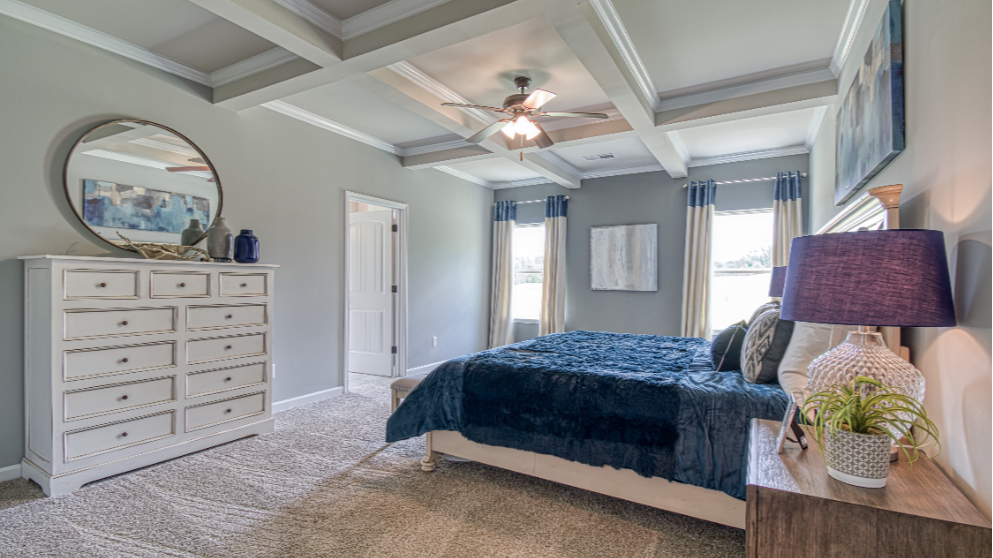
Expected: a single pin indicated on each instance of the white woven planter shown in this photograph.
(858, 459)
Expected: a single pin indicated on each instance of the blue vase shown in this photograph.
(246, 247)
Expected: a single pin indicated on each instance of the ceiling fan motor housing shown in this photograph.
(515, 101)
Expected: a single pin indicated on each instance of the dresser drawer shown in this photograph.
(218, 317)
(81, 283)
(169, 284)
(221, 348)
(118, 397)
(83, 324)
(209, 414)
(119, 435)
(244, 284)
(224, 379)
(118, 360)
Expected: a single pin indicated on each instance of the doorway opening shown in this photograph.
(374, 332)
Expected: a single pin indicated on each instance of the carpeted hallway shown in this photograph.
(325, 484)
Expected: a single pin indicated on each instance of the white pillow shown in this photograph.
(809, 341)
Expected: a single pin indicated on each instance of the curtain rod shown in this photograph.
(529, 201)
(802, 175)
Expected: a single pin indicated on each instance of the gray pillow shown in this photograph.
(764, 347)
(774, 305)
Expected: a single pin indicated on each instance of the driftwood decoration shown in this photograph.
(160, 251)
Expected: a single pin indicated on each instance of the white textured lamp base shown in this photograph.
(865, 354)
(856, 481)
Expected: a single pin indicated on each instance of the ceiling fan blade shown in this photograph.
(538, 98)
(542, 140)
(188, 169)
(480, 107)
(575, 114)
(488, 131)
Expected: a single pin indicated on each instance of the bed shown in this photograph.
(681, 426)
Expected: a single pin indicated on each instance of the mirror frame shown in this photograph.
(206, 160)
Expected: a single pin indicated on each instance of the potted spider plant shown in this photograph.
(856, 423)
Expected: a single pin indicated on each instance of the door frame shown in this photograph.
(400, 265)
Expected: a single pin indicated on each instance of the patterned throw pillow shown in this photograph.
(774, 305)
(764, 347)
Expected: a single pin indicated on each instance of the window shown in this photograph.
(529, 262)
(742, 263)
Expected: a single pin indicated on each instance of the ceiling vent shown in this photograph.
(598, 157)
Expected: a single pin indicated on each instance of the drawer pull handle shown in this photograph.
(227, 411)
(124, 398)
(102, 285)
(227, 347)
(125, 359)
(228, 379)
(124, 434)
(181, 285)
(243, 285)
(228, 317)
(125, 322)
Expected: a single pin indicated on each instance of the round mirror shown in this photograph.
(143, 181)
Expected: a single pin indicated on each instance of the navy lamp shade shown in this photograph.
(895, 278)
(777, 282)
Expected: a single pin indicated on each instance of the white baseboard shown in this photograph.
(425, 368)
(10, 472)
(304, 399)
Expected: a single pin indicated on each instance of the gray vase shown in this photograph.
(219, 241)
(192, 233)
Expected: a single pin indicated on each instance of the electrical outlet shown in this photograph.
(434, 341)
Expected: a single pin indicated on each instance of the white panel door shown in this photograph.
(370, 295)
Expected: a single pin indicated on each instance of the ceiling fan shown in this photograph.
(197, 168)
(522, 107)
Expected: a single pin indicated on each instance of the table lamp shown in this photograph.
(777, 282)
(893, 278)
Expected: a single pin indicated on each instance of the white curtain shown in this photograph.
(501, 320)
(553, 283)
(787, 216)
(696, 265)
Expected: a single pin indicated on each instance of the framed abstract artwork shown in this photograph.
(119, 206)
(624, 258)
(870, 124)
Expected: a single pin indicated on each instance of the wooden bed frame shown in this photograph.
(877, 208)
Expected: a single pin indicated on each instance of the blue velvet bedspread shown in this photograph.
(643, 402)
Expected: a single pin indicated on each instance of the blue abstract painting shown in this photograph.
(107, 204)
(870, 125)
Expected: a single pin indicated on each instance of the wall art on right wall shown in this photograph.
(870, 127)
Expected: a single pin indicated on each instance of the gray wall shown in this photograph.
(282, 178)
(945, 171)
(638, 199)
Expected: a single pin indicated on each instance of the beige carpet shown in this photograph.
(325, 484)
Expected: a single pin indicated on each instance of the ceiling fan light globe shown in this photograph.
(532, 131)
(522, 125)
(508, 130)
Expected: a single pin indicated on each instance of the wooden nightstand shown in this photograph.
(795, 509)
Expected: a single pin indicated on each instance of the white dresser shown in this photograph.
(130, 362)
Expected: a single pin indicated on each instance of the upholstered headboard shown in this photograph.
(877, 209)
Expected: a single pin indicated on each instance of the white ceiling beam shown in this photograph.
(278, 24)
(597, 36)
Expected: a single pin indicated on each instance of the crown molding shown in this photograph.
(815, 126)
(329, 125)
(622, 40)
(744, 89)
(314, 15)
(465, 176)
(749, 156)
(850, 30)
(413, 74)
(381, 16)
(73, 30)
(432, 147)
(625, 170)
(250, 66)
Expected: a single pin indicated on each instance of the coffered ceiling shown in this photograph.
(684, 84)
